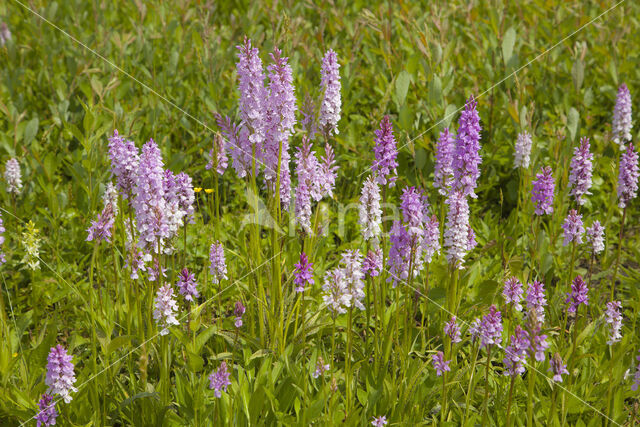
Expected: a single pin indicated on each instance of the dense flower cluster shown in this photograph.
(399, 253)
(100, 229)
(581, 171)
(443, 170)
(218, 155)
(513, 293)
(456, 234)
(385, 164)
(452, 329)
(466, 158)
(331, 102)
(439, 364)
(523, 151)
(219, 380)
(249, 143)
(543, 189)
(579, 294)
(281, 108)
(180, 196)
(218, 265)
(490, 328)
(124, 163)
(187, 285)
(595, 236)
(372, 263)
(414, 209)
(303, 274)
(516, 352)
(537, 341)
(536, 300)
(47, 414)
(236, 143)
(430, 243)
(149, 203)
(336, 291)
(622, 122)
(613, 318)
(165, 308)
(328, 172)
(13, 176)
(60, 373)
(370, 213)
(352, 261)
(316, 180)
(628, 177)
(573, 228)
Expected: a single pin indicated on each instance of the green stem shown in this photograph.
(94, 351)
(443, 411)
(470, 387)
(610, 390)
(348, 376)
(486, 386)
(423, 318)
(256, 252)
(407, 318)
(532, 382)
(573, 257)
(615, 271)
(552, 412)
(513, 378)
(277, 275)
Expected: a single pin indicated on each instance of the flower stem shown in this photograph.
(615, 270)
(552, 412)
(470, 386)
(532, 382)
(443, 410)
(513, 378)
(347, 359)
(486, 386)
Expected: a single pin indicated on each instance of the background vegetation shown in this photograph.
(161, 69)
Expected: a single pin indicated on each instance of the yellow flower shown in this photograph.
(15, 354)
(208, 190)
(197, 189)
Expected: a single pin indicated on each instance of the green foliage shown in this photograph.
(161, 69)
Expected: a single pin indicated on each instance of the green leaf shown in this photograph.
(577, 73)
(402, 86)
(449, 115)
(31, 130)
(508, 41)
(118, 342)
(573, 120)
(435, 90)
(196, 363)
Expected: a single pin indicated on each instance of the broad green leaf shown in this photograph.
(573, 120)
(508, 41)
(577, 74)
(30, 130)
(402, 86)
